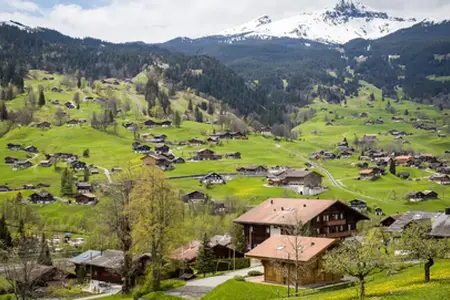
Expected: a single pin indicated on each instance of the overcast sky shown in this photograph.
(162, 20)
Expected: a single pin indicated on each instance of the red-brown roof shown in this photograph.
(366, 172)
(187, 252)
(283, 247)
(284, 211)
(404, 158)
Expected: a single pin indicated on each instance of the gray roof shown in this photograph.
(404, 220)
(111, 259)
(440, 227)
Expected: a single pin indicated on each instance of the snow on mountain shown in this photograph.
(16, 24)
(346, 21)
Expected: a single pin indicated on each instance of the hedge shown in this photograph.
(228, 264)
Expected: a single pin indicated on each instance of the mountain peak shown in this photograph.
(248, 27)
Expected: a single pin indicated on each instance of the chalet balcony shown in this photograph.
(336, 222)
(337, 235)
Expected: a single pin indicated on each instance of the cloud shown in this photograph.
(23, 5)
(158, 21)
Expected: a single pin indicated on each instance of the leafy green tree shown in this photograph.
(66, 183)
(86, 152)
(41, 101)
(177, 119)
(406, 112)
(210, 108)
(5, 235)
(392, 169)
(205, 257)
(3, 111)
(44, 255)
(357, 258)
(198, 115)
(416, 242)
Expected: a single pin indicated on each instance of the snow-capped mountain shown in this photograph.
(346, 21)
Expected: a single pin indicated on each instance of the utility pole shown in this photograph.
(288, 275)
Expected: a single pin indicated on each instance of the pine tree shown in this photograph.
(41, 101)
(79, 82)
(44, 258)
(177, 119)
(3, 111)
(5, 236)
(64, 176)
(406, 112)
(190, 107)
(372, 97)
(110, 117)
(392, 169)
(210, 108)
(205, 257)
(86, 175)
(66, 183)
(198, 115)
(19, 197)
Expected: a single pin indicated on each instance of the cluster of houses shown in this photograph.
(378, 121)
(20, 164)
(84, 195)
(208, 154)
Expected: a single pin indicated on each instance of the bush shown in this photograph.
(239, 278)
(227, 264)
(255, 273)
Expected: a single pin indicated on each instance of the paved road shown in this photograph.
(195, 289)
(335, 182)
(107, 174)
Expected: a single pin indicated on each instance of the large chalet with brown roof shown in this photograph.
(279, 253)
(155, 160)
(307, 182)
(206, 154)
(276, 216)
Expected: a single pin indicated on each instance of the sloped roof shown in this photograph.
(285, 211)
(407, 218)
(440, 227)
(283, 247)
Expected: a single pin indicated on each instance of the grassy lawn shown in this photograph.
(241, 290)
(408, 284)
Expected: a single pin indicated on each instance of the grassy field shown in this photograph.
(240, 290)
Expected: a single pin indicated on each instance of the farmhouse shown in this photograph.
(196, 141)
(233, 155)
(367, 174)
(383, 161)
(253, 169)
(162, 149)
(104, 266)
(213, 139)
(420, 196)
(389, 220)
(403, 160)
(86, 198)
(69, 105)
(178, 160)
(359, 205)
(213, 178)
(276, 216)
(14, 147)
(83, 187)
(9, 160)
(41, 198)
(195, 196)
(169, 156)
(73, 122)
(151, 123)
(78, 166)
(266, 130)
(397, 119)
(370, 137)
(142, 149)
(220, 245)
(440, 179)
(31, 149)
(440, 226)
(23, 164)
(4, 188)
(29, 186)
(206, 154)
(403, 175)
(410, 217)
(155, 160)
(278, 254)
(304, 181)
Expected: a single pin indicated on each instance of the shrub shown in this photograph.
(239, 278)
(254, 273)
(227, 264)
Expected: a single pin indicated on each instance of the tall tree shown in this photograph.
(5, 235)
(3, 111)
(41, 101)
(190, 106)
(155, 210)
(357, 258)
(177, 119)
(198, 115)
(210, 108)
(86, 175)
(79, 82)
(66, 183)
(416, 242)
(59, 116)
(392, 169)
(205, 257)
(44, 255)
(76, 99)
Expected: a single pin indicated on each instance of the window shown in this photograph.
(318, 230)
(268, 229)
(326, 218)
(318, 219)
(341, 228)
(327, 229)
(342, 216)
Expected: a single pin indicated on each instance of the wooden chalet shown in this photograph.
(44, 125)
(178, 160)
(78, 166)
(31, 149)
(389, 220)
(213, 139)
(162, 149)
(23, 164)
(260, 169)
(403, 160)
(195, 196)
(83, 187)
(42, 198)
(156, 160)
(440, 226)
(14, 147)
(221, 247)
(379, 211)
(213, 178)
(196, 141)
(105, 265)
(421, 196)
(278, 254)
(29, 186)
(296, 177)
(206, 154)
(276, 216)
(9, 160)
(86, 198)
(4, 188)
(45, 163)
(266, 130)
(233, 155)
(359, 205)
(69, 105)
(403, 175)
(152, 123)
(406, 219)
(440, 179)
